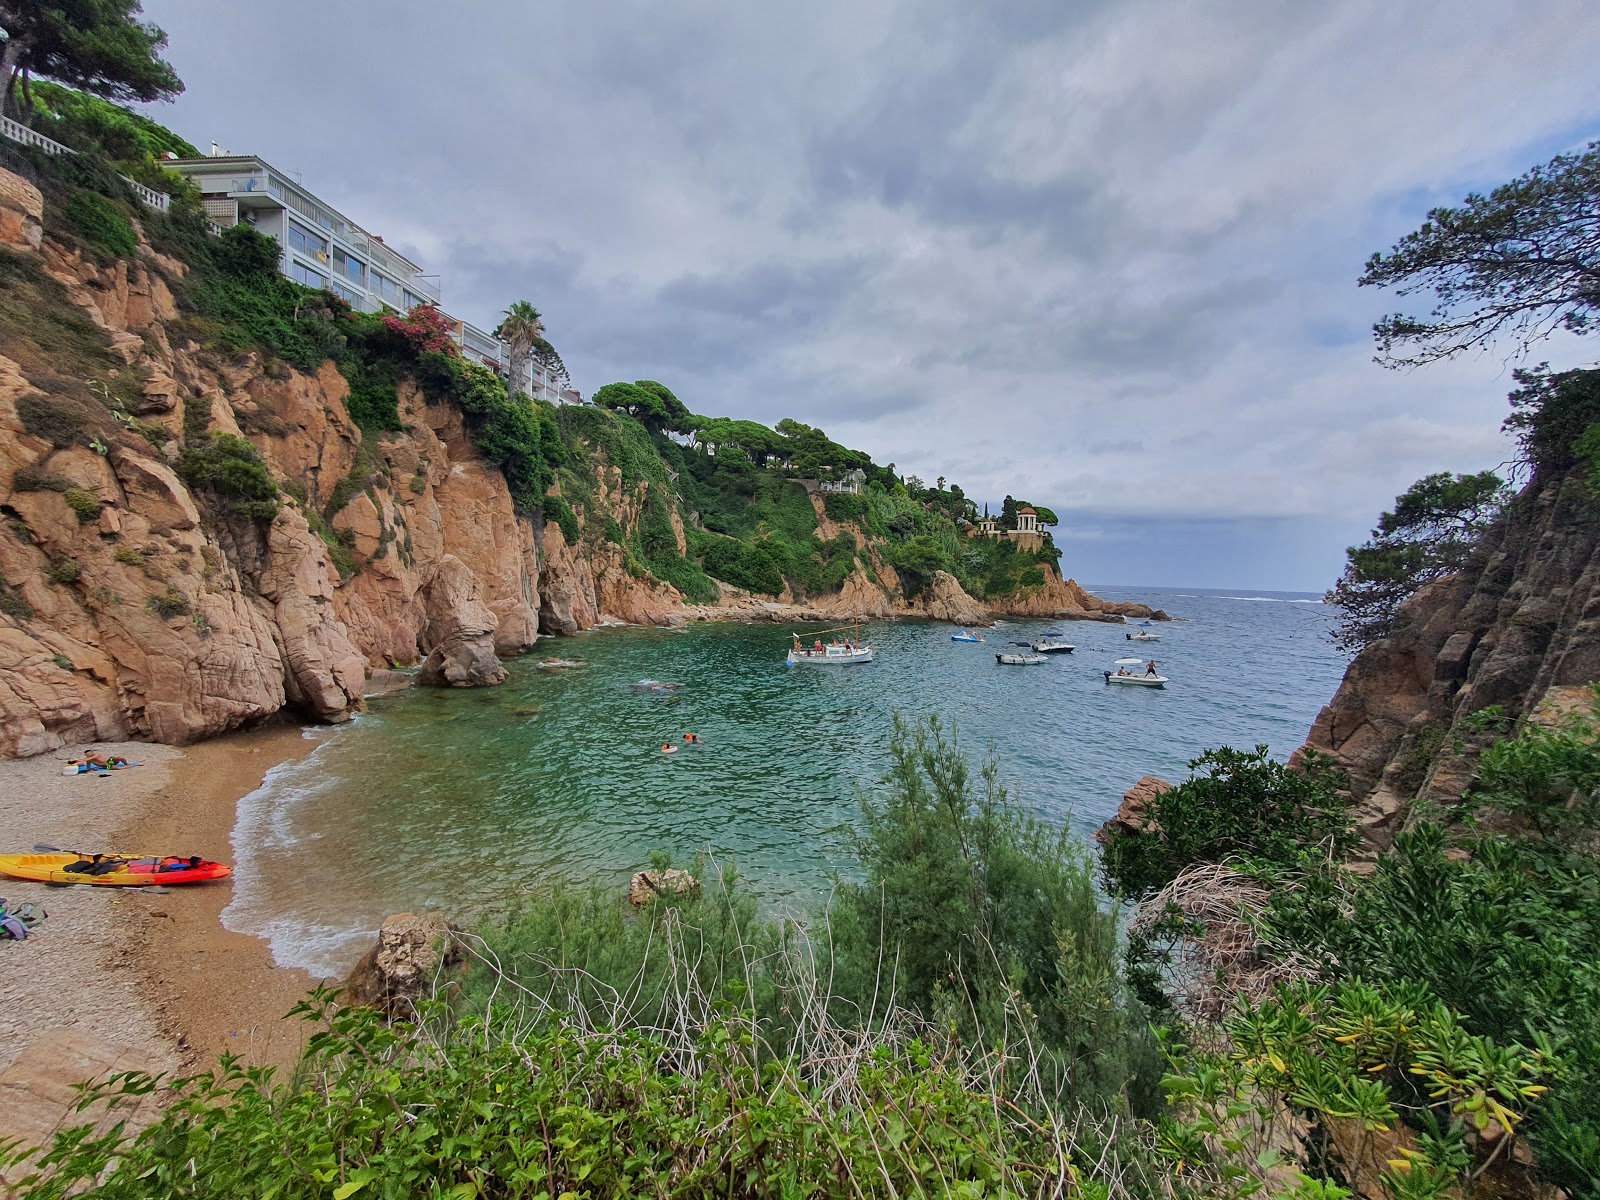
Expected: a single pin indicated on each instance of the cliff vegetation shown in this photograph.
(226, 494)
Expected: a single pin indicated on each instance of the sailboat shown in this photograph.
(836, 652)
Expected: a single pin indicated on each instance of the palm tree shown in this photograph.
(520, 330)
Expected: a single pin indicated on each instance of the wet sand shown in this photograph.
(134, 979)
(213, 991)
(151, 972)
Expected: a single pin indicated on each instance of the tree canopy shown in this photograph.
(649, 402)
(1507, 268)
(1431, 533)
(96, 46)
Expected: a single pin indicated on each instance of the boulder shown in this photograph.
(459, 633)
(409, 964)
(647, 885)
(1132, 813)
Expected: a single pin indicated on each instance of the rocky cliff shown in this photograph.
(133, 604)
(1519, 630)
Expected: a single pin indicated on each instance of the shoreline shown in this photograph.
(214, 991)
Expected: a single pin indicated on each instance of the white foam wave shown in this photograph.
(265, 822)
(1270, 599)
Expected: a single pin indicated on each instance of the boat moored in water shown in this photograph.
(1019, 660)
(1051, 643)
(1146, 678)
(1144, 634)
(838, 652)
(966, 636)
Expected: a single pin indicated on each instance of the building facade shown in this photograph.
(322, 248)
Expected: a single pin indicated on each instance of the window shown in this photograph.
(351, 268)
(383, 286)
(413, 300)
(304, 274)
(349, 295)
(307, 243)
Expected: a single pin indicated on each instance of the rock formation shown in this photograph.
(1519, 628)
(410, 963)
(134, 606)
(1131, 815)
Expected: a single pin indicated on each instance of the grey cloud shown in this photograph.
(1013, 244)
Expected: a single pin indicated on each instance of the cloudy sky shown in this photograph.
(1100, 256)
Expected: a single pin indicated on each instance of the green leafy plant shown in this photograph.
(102, 225)
(170, 605)
(64, 571)
(232, 471)
(1235, 804)
(85, 505)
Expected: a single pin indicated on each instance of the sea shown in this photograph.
(464, 800)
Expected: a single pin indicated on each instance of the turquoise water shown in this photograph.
(458, 800)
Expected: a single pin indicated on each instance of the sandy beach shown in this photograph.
(136, 978)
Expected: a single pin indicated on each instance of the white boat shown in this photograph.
(1019, 660)
(1143, 634)
(1145, 678)
(1051, 643)
(966, 636)
(835, 653)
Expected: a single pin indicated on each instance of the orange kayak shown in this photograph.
(125, 870)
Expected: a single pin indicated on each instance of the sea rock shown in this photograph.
(944, 599)
(1065, 600)
(1132, 814)
(410, 963)
(647, 885)
(459, 632)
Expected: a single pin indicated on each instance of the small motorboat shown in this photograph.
(966, 636)
(111, 870)
(1144, 634)
(1145, 678)
(1052, 643)
(1019, 660)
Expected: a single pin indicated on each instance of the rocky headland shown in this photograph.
(134, 607)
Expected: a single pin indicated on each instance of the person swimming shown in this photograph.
(668, 748)
(689, 737)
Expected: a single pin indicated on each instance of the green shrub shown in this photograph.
(65, 571)
(558, 510)
(62, 661)
(989, 921)
(102, 226)
(85, 505)
(170, 604)
(487, 1109)
(1235, 804)
(128, 556)
(61, 420)
(231, 470)
(12, 604)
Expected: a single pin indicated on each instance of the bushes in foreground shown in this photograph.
(495, 1109)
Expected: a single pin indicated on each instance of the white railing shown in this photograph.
(21, 134)
(151, 197)
(18, 132)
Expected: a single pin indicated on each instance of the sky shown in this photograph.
(1099, 256)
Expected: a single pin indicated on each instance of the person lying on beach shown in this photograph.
(102, 763)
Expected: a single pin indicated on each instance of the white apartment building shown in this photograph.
(322, 248)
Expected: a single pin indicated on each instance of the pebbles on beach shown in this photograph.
(76, 972)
